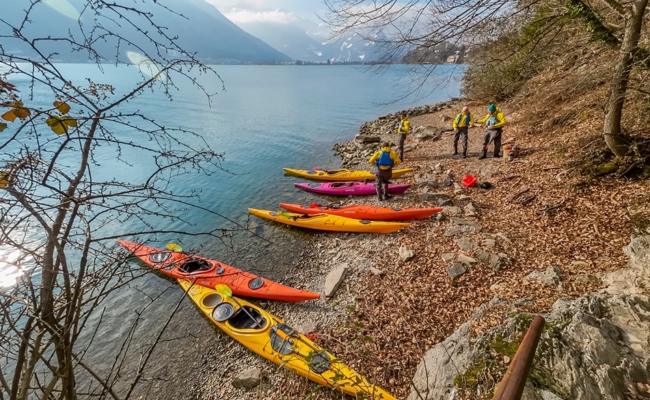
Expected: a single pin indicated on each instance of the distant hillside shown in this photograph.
(304, 40)
(204, 30)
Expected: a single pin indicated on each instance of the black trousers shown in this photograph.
(402, 138)
(461, 132)
(382, 176)
(495, 135)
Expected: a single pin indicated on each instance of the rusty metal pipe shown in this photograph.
(513, 382)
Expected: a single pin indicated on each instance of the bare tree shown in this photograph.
(472, 24)
(60, 205)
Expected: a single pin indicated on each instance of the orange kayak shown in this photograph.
(364, 212)
(209, 273)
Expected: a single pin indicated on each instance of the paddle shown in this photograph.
(223, 290)
(174, 247)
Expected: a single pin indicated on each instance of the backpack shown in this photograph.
(385, 160)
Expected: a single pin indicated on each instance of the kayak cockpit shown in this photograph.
(194, 265)
(244, 317)
(247, 318)
(342, 184)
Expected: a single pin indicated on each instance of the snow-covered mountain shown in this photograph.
(301, 38)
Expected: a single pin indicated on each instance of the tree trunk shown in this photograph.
(612, 127)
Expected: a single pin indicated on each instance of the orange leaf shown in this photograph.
(9, 116)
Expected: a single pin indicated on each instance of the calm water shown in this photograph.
(268, 118)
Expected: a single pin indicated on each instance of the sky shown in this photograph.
(272, 10)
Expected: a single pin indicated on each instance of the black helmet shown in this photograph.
(485, 185)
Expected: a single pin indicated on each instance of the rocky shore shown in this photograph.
(400, 295)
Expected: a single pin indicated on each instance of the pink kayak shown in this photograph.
(348, 188)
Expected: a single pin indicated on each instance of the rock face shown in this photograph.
(596, 347)
(334, 279)
(248, 379)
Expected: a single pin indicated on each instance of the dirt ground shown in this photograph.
(541, 212)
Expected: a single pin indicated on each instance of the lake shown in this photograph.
(268, 117)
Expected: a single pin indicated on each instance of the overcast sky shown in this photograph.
(268, 9)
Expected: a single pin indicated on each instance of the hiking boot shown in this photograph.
(388, 196)
(455, 153)
(464, 155)
(483, 155)
(497, 155)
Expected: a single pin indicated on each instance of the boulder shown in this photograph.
(550, 277)
(447, 256)
(334, 279)
(493, 260)
(452, 231)
(466, 244)
(457, 270)
(451, 210)
(435, 374)
(467, 224)
(406, 254)
(248, 379)
(466, 260)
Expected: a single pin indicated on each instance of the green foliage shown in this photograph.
(503, 347)
(576, 9)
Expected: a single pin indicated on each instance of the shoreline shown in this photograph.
(482, 245)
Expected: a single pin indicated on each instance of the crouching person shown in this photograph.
(383, 162)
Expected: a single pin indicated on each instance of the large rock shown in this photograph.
(435, 374)
(453, 231)
(550, 277)
(457, 270)
(595, 347)
(466, 244)
(248, 379)
(406, 254)
(473, 226)
(334, 279)
(469, 261)
(493, 260)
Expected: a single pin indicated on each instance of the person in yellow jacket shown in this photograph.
(402, 130)
(461, 124)
(494, 122)
(383, 162)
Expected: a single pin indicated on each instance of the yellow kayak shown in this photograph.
(340, 174)
(268, 336)
(327, 222)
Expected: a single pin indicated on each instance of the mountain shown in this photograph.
(292, 39)
(201, 29)
(289, 39)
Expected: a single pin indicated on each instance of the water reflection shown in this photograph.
(13, 265)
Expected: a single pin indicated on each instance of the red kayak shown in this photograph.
(364, 212)
(209, 273)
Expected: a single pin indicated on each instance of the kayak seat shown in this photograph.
(195, 265)
(341, 184)
(247, 318)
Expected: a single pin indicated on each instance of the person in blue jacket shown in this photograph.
(383, 162)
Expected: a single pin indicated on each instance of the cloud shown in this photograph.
(241, 16)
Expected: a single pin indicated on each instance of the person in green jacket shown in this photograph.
(402, 130)
(494, 122)
(461, 124)
(383, 162)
